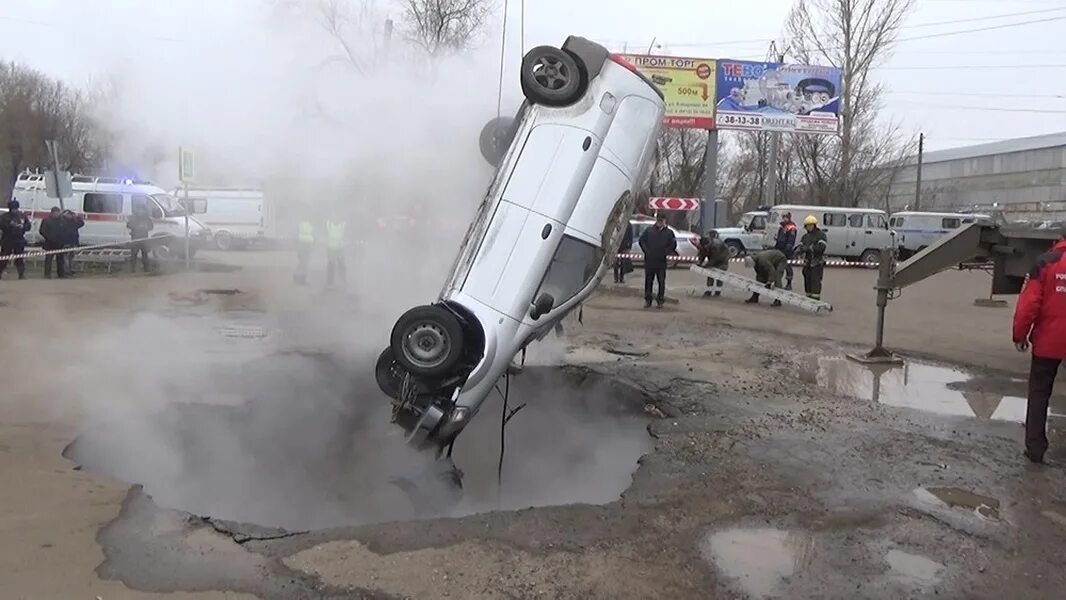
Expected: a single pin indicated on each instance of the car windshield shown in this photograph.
(745, 220)
(170, 205)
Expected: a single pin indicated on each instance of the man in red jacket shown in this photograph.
(1040, 320)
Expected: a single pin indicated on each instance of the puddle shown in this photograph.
(310, 446)
(983, 506)
(758, 560)
(913, 568)
(930, 388)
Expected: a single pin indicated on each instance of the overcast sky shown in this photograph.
(937, 84)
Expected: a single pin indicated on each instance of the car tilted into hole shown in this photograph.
(568, 169)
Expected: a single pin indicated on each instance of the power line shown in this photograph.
(969, 67)
(979, 29)
(977, 94)
(990, 108)
(986, 18)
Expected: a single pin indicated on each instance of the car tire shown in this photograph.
(552, 77)
(224, 240)
(427, 341)
(870, 256)
(495, 138)
(736, 249)
(388, 373)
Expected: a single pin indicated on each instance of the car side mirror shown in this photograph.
(544, 303)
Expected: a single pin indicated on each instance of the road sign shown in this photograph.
(186, 165)
(660, 203)
(58, 187)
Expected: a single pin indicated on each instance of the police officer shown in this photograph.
(336, 243)
(657, 242)
(53, 230)
(13, 227)
(769, 266)
(305, 241)
(786, 242)
(813, 246)
(140, 225)
(715, 253)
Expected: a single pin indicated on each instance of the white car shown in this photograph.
(569, 167)
(688, 243)
(747, 236)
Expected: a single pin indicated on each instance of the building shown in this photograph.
(1025, 178)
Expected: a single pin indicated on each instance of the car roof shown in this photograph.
(840, 209)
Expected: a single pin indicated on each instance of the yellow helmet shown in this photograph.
(810, 220)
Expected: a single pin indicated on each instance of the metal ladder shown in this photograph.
(748, 284)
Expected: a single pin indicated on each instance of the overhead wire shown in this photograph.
(503, 50)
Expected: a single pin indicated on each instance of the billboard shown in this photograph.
(687, 85)
(762, 96)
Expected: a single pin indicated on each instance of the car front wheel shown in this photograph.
(427, 341)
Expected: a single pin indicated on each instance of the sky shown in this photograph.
(957, 89)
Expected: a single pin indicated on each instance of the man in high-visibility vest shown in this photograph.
(336, 241)
(305, 240)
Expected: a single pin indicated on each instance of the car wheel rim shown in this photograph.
(551, 73)
(426, 345)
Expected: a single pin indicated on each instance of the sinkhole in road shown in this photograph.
(303, 443)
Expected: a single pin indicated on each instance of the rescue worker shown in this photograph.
(140, 225)
(624, 265)
(13, 227)
(72, 223)
(657, 242)
(305, 241)
(769, 266)
(336, 242)
(715, 253)
(786, 242)
(1040, 322)
(813, 246)
(53, 230)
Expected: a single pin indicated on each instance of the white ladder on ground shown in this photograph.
(753, 286)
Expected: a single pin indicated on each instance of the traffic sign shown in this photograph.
(661, 203)
(186, 165)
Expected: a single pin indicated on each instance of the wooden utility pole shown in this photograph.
(918, 179)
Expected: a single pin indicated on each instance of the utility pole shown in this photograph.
(918, 179)
(709, 206)
(770, 189)
(388, 37)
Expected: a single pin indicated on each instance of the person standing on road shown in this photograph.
(13, 227)
(140, 225)
(53, 231)
(786, 242)
(624, 265)
(769, 266)
(657, 242)
(1040, 322)
(813, 246)
(715, 253)
(336, 244)
(305, 241)
(72, 224)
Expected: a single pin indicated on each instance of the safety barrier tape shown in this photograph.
(795, 262)
(76, 249)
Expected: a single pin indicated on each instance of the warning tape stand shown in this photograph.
(753, 286)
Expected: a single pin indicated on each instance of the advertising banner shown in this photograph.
(687, 85)
(761, 96)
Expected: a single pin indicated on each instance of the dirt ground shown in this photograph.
(772, 467)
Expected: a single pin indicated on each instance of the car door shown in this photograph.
(835, 226)
(856, 235)
(553, 170)
(878, 235)
(573, 266)
(105, 218)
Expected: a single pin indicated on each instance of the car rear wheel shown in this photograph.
(496, 137)
(551, 77)
(870, 256)
(224, 240)
(428, 341)
(389, 374)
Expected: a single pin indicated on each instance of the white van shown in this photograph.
(915, 231)
(106, 203)
(851, 232)
(235, 216)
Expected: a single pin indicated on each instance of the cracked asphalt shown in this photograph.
(768, 472)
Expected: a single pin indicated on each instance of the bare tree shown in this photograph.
(35, 108)
(856, 36)
(443, 26)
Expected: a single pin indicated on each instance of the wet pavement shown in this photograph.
(931, 388)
